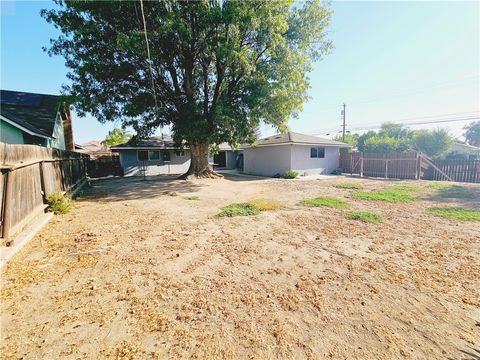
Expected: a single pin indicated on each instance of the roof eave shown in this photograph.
(20, 127)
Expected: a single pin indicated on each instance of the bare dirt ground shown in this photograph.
(133, 271)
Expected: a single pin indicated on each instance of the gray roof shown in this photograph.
(465, 148)
(291, 137)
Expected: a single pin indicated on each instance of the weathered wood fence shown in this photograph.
(30, 173)
(461, 170)
(410, 165)
(385, 165)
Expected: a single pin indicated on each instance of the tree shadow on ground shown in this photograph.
(240, 178)
(135, 188)
(465, 196)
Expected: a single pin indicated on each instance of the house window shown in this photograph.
(151, 155)
(166, 155)
(180, 153)
(317, 152)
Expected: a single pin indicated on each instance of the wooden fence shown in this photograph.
(461, 170)
(30, 173)
(411, 165)
(385, 165)
(105, 165)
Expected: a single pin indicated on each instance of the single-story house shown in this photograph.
(305, 154)
(226, 158)
(39, 119)
(468, 151)
(156, 155)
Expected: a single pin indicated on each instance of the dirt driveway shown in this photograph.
(135, 271)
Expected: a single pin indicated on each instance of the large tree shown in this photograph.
(217, 68)
(472, 133)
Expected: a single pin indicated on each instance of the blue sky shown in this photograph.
(392, 61)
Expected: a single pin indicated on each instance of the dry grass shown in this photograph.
(173, 281)
(265, 204)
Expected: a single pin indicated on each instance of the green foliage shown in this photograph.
(290, 174)
(433, 143)
(326, 201)
(472, 133)
(115, 137)
(220, 67)
(349, 186)
(456, 213)
(444, 186)
(349, 139)
(59, 203)
(385, 144)
(395, 131)
(387, 194)
(241, 209)
(406, 187)
(364, 216)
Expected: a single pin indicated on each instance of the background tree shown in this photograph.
(433, 143)
(115, 137)
(218, 67)
(396, 131)
(385, 144)
(472, 133)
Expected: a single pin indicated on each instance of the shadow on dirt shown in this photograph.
(135, 188)
(465, 196)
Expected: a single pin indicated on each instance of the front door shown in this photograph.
(220, 159)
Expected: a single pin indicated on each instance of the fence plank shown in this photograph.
(32, 173)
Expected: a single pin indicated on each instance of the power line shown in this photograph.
(426, 122)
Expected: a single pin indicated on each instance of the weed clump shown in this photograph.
(326, 201)
(265, 204)
(59, 203)
(240, 209)
(387, 194)
(290, 174)
(364, 216)
(352, 186)
(456, 213)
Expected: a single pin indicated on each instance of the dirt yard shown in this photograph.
(144, 269)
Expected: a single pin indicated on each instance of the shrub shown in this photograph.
(364, 216)
(59, 203)
(349, 186)
(388, 195)
(265, 204)
(241, 209)
(456, 213)
(290, 174)
(326, 201)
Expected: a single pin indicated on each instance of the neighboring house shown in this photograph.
(465, 150)
(154, 156)
(39, 119)
(305, 154)
(95, 149)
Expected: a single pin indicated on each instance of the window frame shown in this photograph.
(319, 150)
(149, 152)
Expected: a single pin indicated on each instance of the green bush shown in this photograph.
(290, 174)
(241, 209)
(349, 186)
(364, 216)
(456, 213)
(387, 194)
(59, 203)
(326, 201)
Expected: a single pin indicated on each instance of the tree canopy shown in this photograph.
(116, 136)
(472, 133)
(217, 68)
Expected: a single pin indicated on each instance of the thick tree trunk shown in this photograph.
(199, 162)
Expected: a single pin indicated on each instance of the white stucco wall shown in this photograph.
(266, 161)
(271, 160)
(131, 165)
(305, 165)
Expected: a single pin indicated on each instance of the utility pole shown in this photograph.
(343, 126)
